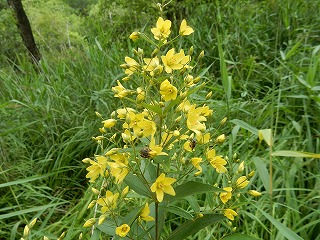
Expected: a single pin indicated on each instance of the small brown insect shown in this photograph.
(192, 143)
(145, 152)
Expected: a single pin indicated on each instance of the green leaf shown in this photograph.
(263, 172)
(107, 227)
(192, 188)
(238, 236)
(245, 125)
(137, 185)
(288, 153)
(132, 216)
(178, 211)
(193, 226)
(284, 230)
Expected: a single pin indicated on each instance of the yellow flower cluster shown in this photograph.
(159, 127)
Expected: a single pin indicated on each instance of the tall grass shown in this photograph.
(265, 75)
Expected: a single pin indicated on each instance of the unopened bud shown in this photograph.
(95, 191)
(176, 133)
(86, 160)
(102, 130)
(190, 50)
(254, 193)
(161, 104)
(26, 231)
(196, 80)
(32, 223)
(62, 235)
(125, 191)
(223, 121)
(208, 96)
(126, 78)
(102, 218)
(91, 204)
(154, 53)
(201, 55)
(45, 238)
(80, 236)
(89, 223)
(134, 36)
(229, 223)
(98, 114)
(178, 119)
(221, 138)
(241, 167)
(250, 175)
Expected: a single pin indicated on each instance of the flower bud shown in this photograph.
(95, 191)
(190, 50)
(62, 235)
(80, 236)
(208, 96)
(45, 238)
(89, 223)
(254, 193)
(196, 80)
(241, 167)
(134, 36)
(26, 231)
(201, 55)
(154, 53)
(102, 218)
(86, 160)
(223, 121)
(98, 114)
(178, 119)
(126, 78)
(176, 133)
(32, 223)
(221, 138)
(102, 130)
(250, 175)
(91, 204)
(125, 191)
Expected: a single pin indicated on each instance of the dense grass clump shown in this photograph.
(264, 59)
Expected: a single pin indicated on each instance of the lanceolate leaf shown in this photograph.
(137, 185)
(288, 153)
(193, 226)
(192, 188)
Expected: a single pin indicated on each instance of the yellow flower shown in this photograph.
(156, 150)
(120, 91)
(226, 196)
(153, 66)
(254, 193)
(172, 61)
(185, 29)
(122, 112)
(131, 65)
(184, 106)
(162, 29)
(97, 168)
(216, 161)
(196, 163)
(230, 214)
(148, 127)
(127, 136)
(108, 202)
(123, 230)
(118, 170)
(194, 119)
(134, 36)
(144, 214)
(242, 182)
(163, 185)
(203, 139)
(109, 123)
(168, 91)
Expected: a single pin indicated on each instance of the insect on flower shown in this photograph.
(145, 152)
(192, 143)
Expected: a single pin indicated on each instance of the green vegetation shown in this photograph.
(264, 74)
